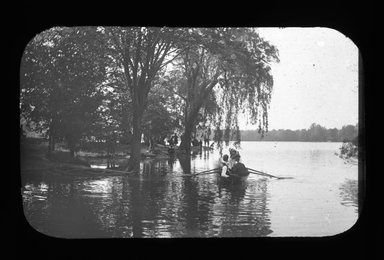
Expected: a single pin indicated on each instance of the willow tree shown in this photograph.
(141, 53)
(232, 64)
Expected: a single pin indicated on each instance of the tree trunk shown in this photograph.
(134, 161)
(189, 125)
(108, 154)
(192, 113)
(72, 151)
(51, 140)
(185, 162)
(71, 145)
(185, 144)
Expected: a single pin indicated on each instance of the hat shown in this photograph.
(236, 157)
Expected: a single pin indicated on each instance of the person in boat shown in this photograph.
(170, 141)
(239, 169)
(233, 153)
(175, 139)
(225, 172)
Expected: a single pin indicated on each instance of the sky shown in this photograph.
(316, 80)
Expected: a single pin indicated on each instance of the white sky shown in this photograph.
(316, 80)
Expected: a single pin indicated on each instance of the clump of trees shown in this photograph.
(349, 150)
(112, 84)
(61, 77)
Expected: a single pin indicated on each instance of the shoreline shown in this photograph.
(34, 158)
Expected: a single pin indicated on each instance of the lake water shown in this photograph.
(320, 200)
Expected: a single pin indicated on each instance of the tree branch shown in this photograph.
(165, 52)
(125, 57)
(175, 92)
(209, 85)
(137, 57)
(170, 61)
(160, 48)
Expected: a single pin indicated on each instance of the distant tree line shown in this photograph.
(315, 133)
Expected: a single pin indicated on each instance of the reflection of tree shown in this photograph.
(149, 205)
(185, 162)
(196, 213)
(137, 208)
(147, 166)
(171, 161)
(349, 193)
(153, 168)
(191, 201)
(205, 208)
(67, 213)
(206, 154)
(190, 198)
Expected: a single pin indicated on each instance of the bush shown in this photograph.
(348, 150)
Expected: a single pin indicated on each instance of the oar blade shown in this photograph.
(266, 174)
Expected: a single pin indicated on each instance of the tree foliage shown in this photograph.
(110, 83)
(62, 73)
(315, 133)
(222, 73)
(141, 53)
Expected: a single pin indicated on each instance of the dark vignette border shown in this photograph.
(354, 21)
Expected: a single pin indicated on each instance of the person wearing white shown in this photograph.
(224, 169)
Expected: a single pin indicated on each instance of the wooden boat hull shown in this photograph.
(231, 179)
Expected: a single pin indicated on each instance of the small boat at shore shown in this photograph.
(173, 149)
(201, 148)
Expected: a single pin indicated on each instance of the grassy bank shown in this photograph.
(34, 159)
(34, 156)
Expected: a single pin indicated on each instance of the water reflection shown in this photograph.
(163, 202)
(248, 203)
(148, 206)
(185, 162)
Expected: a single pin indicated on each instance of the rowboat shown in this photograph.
(231, 179)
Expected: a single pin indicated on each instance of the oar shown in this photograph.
(266, 174)
(203, 172)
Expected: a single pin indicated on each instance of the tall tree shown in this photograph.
(142, 53)
(39, 96)
(232, 65)
(61, 75)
